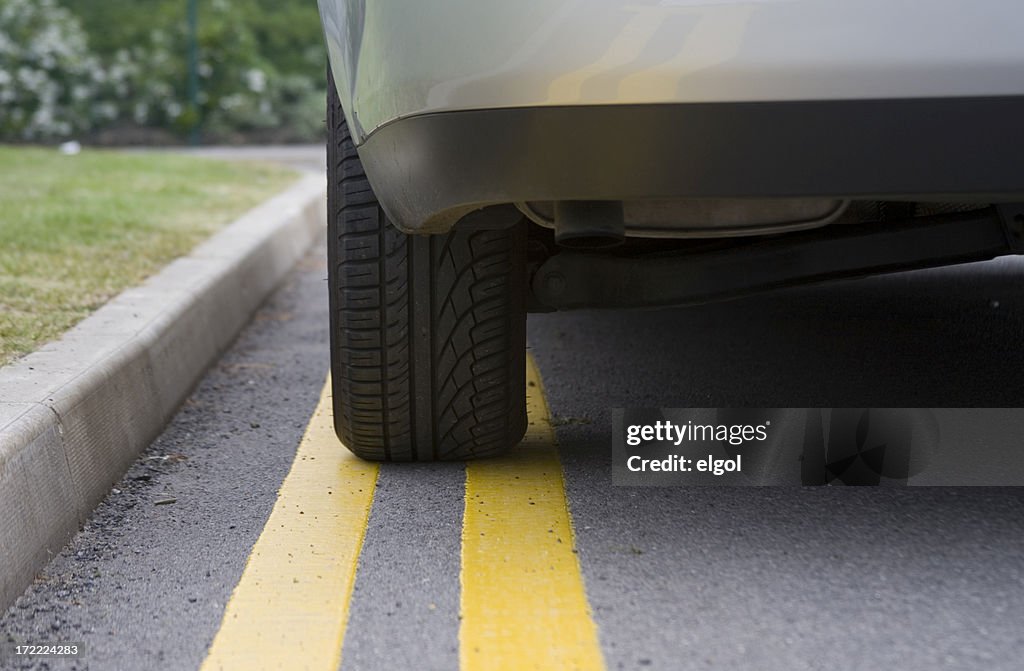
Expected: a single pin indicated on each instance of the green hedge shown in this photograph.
(71, 68)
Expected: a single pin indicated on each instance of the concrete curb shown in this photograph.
(75, 414)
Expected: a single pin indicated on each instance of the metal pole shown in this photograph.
(193, 70)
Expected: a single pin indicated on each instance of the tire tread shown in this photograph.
(428, 332)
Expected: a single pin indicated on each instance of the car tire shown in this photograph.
(428, 332)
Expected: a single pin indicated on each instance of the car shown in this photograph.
(486, 160)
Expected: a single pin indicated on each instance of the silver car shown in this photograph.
(487, 159)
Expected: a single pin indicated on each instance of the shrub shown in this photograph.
(261, 68)
(49, 80)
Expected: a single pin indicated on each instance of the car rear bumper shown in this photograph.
(392, 60)
(430, 170)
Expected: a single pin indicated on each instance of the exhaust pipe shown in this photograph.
(589, 224)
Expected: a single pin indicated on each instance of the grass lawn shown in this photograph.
(77, 230)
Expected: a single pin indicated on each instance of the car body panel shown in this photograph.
(429, 171)
(396, 59)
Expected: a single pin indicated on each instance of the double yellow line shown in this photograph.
(290, 607)
(523, 603)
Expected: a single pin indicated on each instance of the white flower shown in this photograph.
(140, 113)
(233, 101)
(256, 80)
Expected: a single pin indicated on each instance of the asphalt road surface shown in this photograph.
(674, 578)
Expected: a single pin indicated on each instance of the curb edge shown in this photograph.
(75, 414)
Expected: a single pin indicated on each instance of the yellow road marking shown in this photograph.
(523, 601)
(290, 607)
